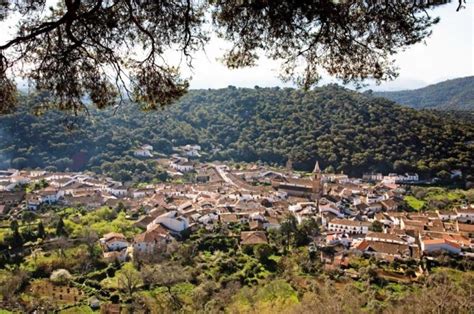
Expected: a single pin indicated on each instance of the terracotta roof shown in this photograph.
(256, 224)
(296, 182)
(387, 248)
(153, 235)
(362, 245)
(440, 241)
(465, 228)
(465, 210)
(226, 218)
(352, 223)
(253, 237)
(389, 203)
(383, 236)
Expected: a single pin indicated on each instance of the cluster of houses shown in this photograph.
(392, 178)
(347, 209)
(403, 235)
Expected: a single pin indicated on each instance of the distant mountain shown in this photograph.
(457, 94)
(342, 129)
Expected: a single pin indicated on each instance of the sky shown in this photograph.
(447, 54)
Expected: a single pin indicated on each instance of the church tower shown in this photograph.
(317, 183)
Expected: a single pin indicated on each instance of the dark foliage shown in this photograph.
(340, 128)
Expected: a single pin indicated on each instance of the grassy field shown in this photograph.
(414, 203)
(425, 197)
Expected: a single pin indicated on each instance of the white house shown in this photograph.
(336, 238)
(142, 153)
(391, 178)
(182, 166)
(191, 150)
(433, 245)
(394, 178)
(372, 176)
(117, 190)
(113, 242)
(151, 240)
(50, 195)
(139, 193)
(33, 203)
(348, 226)
(465, 214)
(411, 177)
(384, 237)
(373, 198)
(37, 173)
(330, 208)
(336, 177)
(447, 215)
(208, 218)
(171, 221)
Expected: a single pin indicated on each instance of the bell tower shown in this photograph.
(317, 183)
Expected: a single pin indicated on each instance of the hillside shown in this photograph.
(342, 129)
(457, 94)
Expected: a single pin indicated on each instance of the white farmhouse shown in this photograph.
(142, 153)
(434, 245)
(348, 226)
(171, 221)
(151, 240)
(117, 190)
(465, 214)
(182, 165)
(113, 242)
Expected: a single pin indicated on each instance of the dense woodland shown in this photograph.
(344, 130)
(457, 94)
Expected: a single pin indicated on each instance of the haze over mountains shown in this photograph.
(344, 130)
(456, 94)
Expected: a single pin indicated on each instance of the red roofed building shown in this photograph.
(433, 245)
(253, 237)
(151, 240)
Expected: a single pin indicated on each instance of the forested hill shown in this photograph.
(457, 94)
(342, 129)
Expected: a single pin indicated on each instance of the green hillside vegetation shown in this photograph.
(457, 94)
(344, 130)
(210, 272)
(434, 198)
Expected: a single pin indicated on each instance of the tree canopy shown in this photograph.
(103, 51)
(344, 130)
